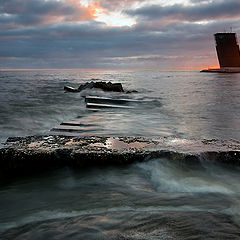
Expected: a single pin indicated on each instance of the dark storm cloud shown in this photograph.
(37, 12)
(82, 46)
(61, 34)
(203, 11)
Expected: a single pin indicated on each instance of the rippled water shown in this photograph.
(151, 200)
(173, 192)
(183, 104)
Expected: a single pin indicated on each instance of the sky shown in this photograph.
(113, 34)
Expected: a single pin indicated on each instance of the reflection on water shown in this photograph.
(226, 92)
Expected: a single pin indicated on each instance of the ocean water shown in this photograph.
(157, 199)
(187, 104)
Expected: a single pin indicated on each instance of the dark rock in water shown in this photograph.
(132, 91)
(86, 86)
(70, 89)
(115, 87)
(105, 86)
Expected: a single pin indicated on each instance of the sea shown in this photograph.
(156, 199)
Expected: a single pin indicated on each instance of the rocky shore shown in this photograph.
(118, 209)
(36, 153)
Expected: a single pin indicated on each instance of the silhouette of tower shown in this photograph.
(227, 50)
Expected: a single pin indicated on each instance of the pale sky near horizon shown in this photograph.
(122, 34)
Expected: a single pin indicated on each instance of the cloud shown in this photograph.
(205, 10)
(90, 45)
(117, 4)
(15, 13)
(65, 34)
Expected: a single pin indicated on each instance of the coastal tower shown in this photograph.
(227, 50)
(228, 53)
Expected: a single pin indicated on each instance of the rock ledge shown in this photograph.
(23, 155)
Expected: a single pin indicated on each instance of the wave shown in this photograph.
(171, 176)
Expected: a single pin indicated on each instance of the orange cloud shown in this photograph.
(83, 12)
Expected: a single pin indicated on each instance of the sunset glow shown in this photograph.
(113, 34)
(111, 19)
(114, 19)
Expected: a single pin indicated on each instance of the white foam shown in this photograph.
(168, 177)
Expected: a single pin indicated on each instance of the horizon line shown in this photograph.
(107, 69)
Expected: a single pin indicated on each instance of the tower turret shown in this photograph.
(227, 50)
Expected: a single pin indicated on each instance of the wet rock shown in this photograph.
(86, 86)
(115, 87)
(14, 139)
(105, 86)
(36, 153)
(227, 157)
(70, 89)
(131, 91)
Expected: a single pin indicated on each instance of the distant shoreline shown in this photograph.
(95, 69)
